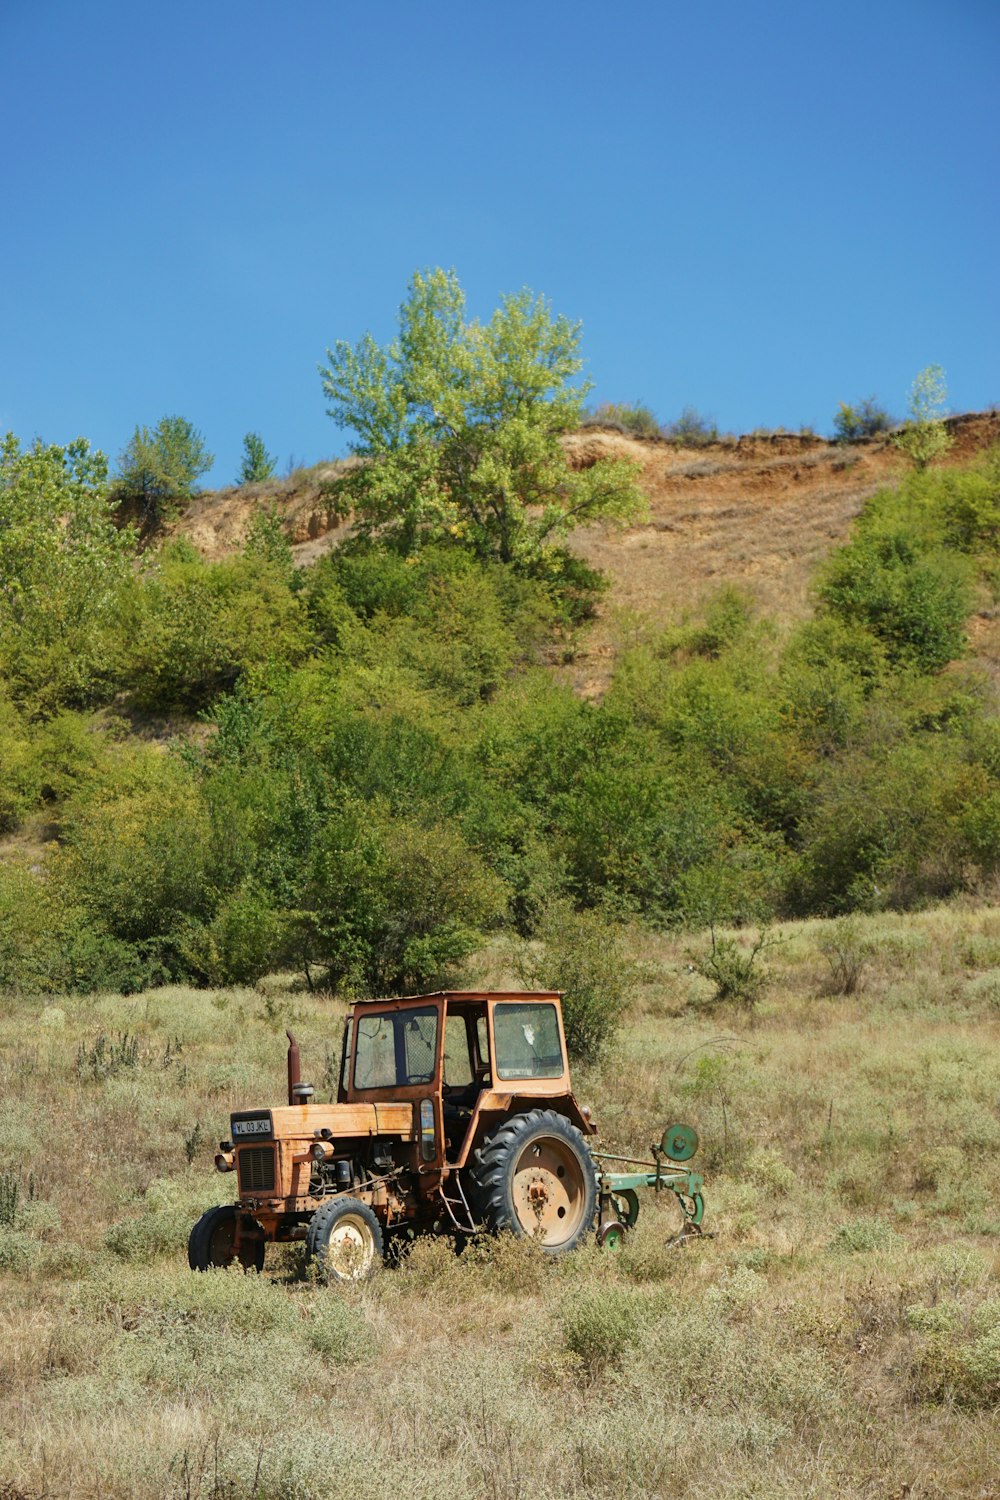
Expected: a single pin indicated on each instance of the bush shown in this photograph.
(602, 1325)
(338, 1332)
(65, 568)
(634, 417)
(240, 943)
(914, 600)
(391, 905)
(195, 627)
(865, 419)
(691, 429)
(735, 970)
(861, 1236)
(586, 956)
(847, 952)
(138, 857)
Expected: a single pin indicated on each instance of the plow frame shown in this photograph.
(618, 1192)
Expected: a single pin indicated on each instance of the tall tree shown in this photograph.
(63, 566)
(459, 422)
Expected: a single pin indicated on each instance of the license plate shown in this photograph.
(251, 1127)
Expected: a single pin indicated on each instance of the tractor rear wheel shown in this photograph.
(535, 1177)
(212, 1242)
(345, 1240)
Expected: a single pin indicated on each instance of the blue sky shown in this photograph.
(756, 209)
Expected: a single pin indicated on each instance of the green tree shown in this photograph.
(63, 565)
(925, 437)
(161, 465)
(459, 422)
(257, 464)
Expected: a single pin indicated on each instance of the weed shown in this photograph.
(12, 1191)
(193, 1142)
(848, 952)
(860, 1236)
(107, 1056)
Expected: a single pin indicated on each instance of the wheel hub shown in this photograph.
(549, 1190)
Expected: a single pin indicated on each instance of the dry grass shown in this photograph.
(840, 1335)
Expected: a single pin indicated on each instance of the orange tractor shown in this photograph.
(454, 1114)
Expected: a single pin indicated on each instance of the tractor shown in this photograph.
(454, 1115)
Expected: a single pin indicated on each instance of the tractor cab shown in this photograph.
(462, 1057)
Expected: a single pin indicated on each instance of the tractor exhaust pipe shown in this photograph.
(294, 1068)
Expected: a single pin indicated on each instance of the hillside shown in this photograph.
(222, 765)
(759, 511)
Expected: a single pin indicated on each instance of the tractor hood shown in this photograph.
(309, 1121)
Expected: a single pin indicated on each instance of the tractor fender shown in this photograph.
(491, 1108)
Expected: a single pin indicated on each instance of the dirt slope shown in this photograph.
(757, 511)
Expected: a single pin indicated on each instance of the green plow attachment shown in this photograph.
(618, 1192)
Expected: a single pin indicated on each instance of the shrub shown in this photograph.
(915, 600)
(601, 1325)
(391, 905)
(238, 944)
(735, 970)
(691, 429)
(634, 417)
(266, 541)
(847, 952)
(137, 858)
(162, 1227)
(338, 1332)
(65, 567)
(586, 956)
(19, 1252)
(195, 627)
(861, 1236)
(969, 503)
(865, 419)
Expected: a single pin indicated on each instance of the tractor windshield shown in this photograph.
(527, 1041)
(395, 1048)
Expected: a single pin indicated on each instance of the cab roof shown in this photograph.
(465, 995)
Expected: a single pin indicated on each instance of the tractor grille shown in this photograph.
(256, 1169)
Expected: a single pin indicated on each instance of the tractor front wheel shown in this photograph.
(212, 1242)
(535, 1177)
(345, 1240)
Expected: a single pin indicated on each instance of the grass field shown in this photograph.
(839, 1335)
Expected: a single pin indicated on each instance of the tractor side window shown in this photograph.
(527, 1041)
(457, 1064)
(395, 1049)
(483, 1039)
